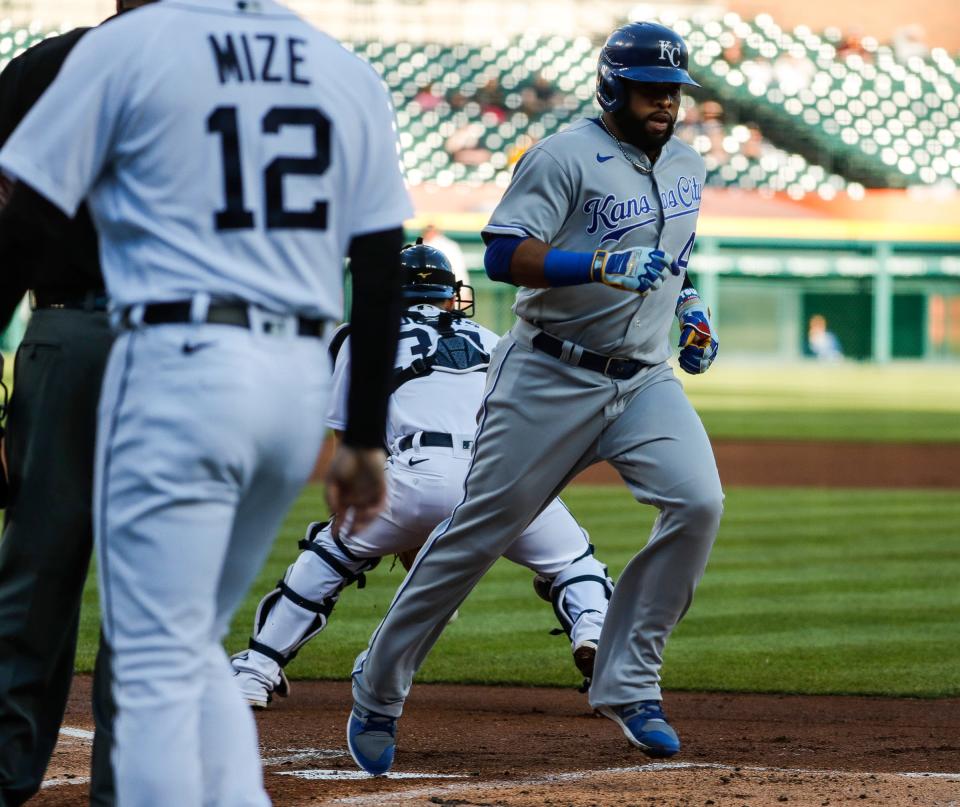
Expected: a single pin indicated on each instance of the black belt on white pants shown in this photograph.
(237, 314)
(431, 440)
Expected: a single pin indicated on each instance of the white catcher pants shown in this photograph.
(423, 494)
(206, 435)
(424, 486)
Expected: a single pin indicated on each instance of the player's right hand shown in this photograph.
(638, 270)
(355, 481)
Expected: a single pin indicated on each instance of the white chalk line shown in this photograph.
(653, 767)
(74, 780)
(339, 776)
(80, 734)
(302, 755)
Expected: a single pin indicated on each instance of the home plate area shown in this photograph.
(464, 746)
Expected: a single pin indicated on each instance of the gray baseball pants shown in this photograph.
(542, 422)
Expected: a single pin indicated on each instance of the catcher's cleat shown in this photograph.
(541, 585)
(584, 656)
(254, 686)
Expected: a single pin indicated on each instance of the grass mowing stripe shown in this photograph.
(808, 590)
(786, 423)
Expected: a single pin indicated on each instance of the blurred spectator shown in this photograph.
(755, 146)
(539, 97)
(758, 72)
(545, 92)
(519, 148)
(529, 103)
(689, 119)
(432, 237)
(491, 100)
(713, 128)
(733, 53)
(909, 41)
(823, 343)
(794, 70)
(464, 146)
(852, 45)
(426, 98)
(704, 129)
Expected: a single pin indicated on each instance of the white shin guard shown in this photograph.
(580, 594)
(299, 607)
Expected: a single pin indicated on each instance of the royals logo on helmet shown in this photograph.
(670, 51)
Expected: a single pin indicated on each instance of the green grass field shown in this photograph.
(848, 401)
(899, 402)
(813, 591)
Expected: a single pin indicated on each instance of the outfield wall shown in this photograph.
(884, 300)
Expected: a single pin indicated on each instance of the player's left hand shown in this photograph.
(639, 270)
(355, 482)
(698, 343)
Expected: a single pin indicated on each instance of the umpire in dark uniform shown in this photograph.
(49, 447)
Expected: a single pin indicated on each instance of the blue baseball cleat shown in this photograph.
(645, 725)
(372, 739)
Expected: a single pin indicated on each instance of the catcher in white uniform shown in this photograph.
(438, 385)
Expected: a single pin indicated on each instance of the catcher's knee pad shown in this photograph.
(312, 585)
(581, 589)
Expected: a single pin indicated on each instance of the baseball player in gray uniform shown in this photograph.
(231, 155)
(439, 378)
(596, 228)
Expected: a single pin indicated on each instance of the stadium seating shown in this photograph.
(15, 40)
(886, 123)
(799, 113)
(458, 71)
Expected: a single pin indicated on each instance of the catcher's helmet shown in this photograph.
(426, 274)
(640, 51)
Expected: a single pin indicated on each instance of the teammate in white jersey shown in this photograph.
(439, 378)
(231, 156)
(596, 228)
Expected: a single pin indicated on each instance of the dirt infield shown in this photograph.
(461, 746)
(803, 463)
(795, 463)
(514, 746)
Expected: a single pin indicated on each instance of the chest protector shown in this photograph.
(454, 353)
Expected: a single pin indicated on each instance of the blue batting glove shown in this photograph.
(698, 343)
(638, 270)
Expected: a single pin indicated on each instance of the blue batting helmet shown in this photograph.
(640, 51)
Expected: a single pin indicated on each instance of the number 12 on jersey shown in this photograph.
(234, 216)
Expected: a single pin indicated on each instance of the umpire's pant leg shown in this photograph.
(47, 535)
(540, 418)
(102, 785)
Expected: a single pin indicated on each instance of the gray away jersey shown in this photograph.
(575, 191)
(226, 147)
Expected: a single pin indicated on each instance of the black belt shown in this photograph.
(611, 366)
(218, 314)
(90, 301)
(428, 439)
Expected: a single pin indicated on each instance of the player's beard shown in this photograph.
(635, 131)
